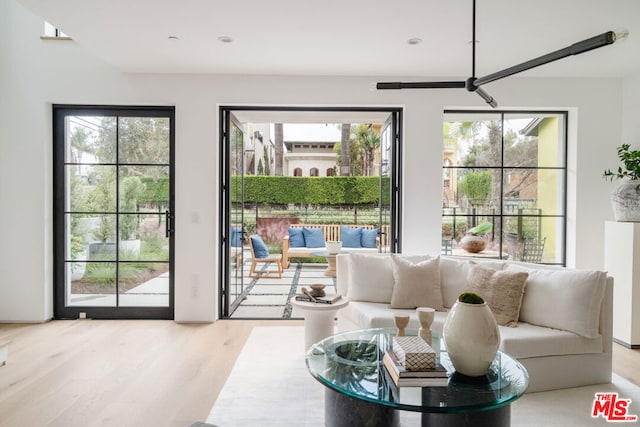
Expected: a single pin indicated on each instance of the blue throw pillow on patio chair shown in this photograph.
(236, 237)
(370, 238)
(260, 249)
(313, 237)
(296, 237)
(351, 236)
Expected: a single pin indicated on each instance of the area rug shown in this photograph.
(269, 386)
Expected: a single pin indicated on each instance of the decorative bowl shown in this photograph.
(317, 290)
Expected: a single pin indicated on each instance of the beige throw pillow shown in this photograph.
(502, 290)
(416, 284)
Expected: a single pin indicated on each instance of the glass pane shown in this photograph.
(144, 188)
(91, 284)
(473, 141)
(534, 239)
(79, 230)
(99, 231)
(144, 284)
(91, 139)
(91, 188)
(144, 140)
(541, 190)
(143, 238)
(534, 140)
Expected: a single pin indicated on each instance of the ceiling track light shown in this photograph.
(472, 84)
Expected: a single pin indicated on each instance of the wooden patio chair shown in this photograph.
(275, 258)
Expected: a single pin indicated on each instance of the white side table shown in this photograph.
(318, 319)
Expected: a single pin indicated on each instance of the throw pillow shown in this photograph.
(454, 273)
(502, 290)
(369, 238)
(296, 237)
(564, 299)
(370, 278)
(236, 237)
(260, 250)
(350, 236)
(416, 284)
(313, 237)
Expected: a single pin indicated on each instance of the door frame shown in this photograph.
(225, 113)
(61, 310)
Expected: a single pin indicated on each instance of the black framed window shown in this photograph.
(505, 178)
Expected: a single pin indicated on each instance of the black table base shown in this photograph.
(345, 411)
(500, 417)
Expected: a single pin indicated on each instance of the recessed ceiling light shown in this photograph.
(414, 40)
(173, 38)
(225, 39)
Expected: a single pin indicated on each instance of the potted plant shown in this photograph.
(625, 199)
(471, 335)
(474, 241)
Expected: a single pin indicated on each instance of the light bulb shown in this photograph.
(621, 34)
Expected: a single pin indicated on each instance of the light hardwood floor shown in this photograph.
(134, 372)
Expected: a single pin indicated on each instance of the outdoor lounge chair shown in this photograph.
(532, 250)
(260, 253)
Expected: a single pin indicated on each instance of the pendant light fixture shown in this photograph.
(472, 84)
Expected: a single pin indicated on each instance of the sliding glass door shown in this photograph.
(113, 212)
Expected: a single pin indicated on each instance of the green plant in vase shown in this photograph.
(625, 199)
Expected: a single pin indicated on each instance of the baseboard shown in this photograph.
(626, 345)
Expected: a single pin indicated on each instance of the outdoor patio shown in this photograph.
(268, 297)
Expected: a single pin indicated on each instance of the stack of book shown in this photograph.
(327, 299)
(436, 377)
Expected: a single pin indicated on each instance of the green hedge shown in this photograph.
(333, 190)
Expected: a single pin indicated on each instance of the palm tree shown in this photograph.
(368, 142)
(345, 158)
(278, 136)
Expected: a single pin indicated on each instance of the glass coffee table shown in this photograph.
(360, 392)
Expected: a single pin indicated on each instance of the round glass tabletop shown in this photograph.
(351, 363)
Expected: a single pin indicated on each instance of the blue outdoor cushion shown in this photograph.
(369, 238)
(236, 237)
(296, 237)
(350, 236)
(313, 237)
(260, 250)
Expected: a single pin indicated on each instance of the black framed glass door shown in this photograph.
(113, 211)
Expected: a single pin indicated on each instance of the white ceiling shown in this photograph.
(347, 37)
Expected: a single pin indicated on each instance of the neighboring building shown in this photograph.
(305, 158)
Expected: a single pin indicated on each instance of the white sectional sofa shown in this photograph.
(563, 334)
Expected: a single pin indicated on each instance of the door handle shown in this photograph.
(168, 224)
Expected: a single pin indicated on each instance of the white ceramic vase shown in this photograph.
(625, 201)
(333, 247)
(472, 338)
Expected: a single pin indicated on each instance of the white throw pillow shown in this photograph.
(416, 284)
(370, 278)
(564, 299)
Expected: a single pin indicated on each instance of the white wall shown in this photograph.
(37, 73)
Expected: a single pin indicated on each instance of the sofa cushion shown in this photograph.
(529, 340)
(296, 237)
(371, 276)
(453, 276)
(369, 238)
(564, 299)
(350, 236)
(260, 250)
(502, 290)
(313, 237)
(416, 284)
(366, 314)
